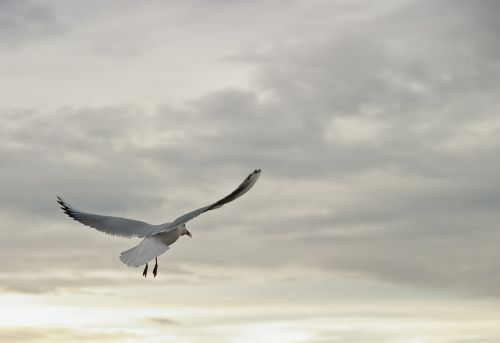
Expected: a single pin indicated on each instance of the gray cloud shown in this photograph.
(378, 146)
(163, 321)
(23, 21)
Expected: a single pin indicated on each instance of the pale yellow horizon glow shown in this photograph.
(154, 313)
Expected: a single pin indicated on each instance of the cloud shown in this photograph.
(24, 21)
(29, 334)
(163, 321)
(378, 147)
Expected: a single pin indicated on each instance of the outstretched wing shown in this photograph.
(242, 189)
(115, 226)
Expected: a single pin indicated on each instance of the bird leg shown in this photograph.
(145, 272)
(155, 269)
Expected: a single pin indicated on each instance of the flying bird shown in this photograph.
(156, 238)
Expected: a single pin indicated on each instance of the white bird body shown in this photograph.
(152, 246)
(157, 238)
(170, 237)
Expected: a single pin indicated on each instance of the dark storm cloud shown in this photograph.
(414, 203)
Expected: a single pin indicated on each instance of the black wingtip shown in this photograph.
(256, 171)
(66, 209)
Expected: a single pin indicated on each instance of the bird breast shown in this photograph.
(169, 237)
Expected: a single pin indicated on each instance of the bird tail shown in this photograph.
(149, 248)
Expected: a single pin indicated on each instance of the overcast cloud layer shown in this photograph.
(376, 127)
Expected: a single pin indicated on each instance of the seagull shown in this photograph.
(156, 238)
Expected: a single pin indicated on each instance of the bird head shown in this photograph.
(184, 231)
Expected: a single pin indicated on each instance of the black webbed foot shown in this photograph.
(145, 272)
(155, 269)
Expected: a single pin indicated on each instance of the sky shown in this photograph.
(376, 126)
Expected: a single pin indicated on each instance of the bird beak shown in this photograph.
(189, 234)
